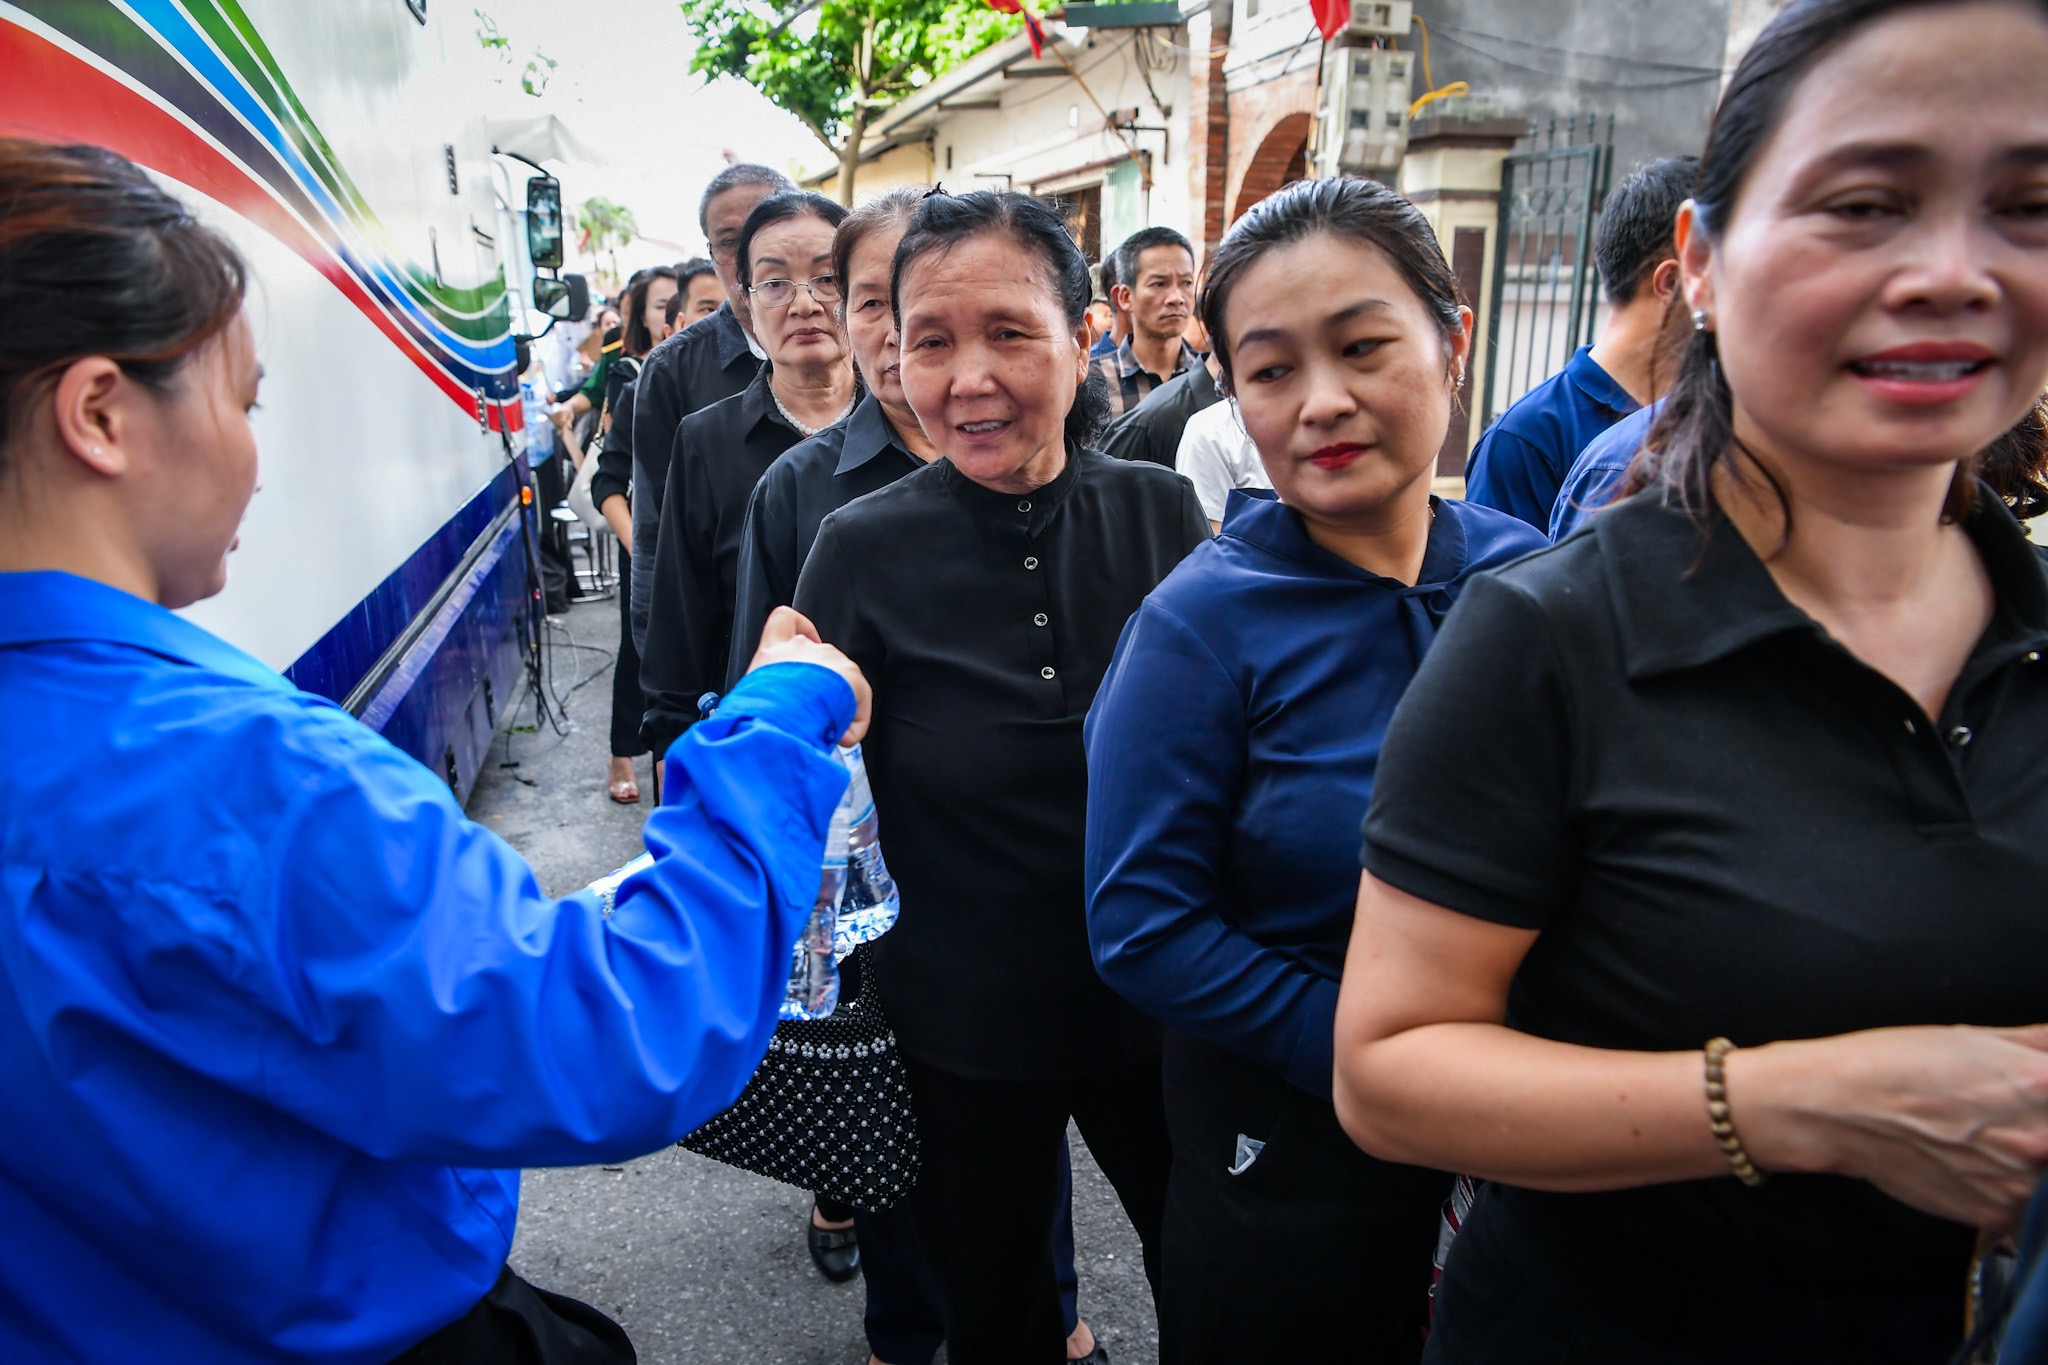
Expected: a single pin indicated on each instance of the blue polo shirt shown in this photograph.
(1231, 754)
(1520, 462)
(1594, 476)
(279, 1025)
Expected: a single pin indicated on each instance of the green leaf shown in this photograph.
(841, 54)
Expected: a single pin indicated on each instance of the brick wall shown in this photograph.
(1208, 129)
(1269, 128)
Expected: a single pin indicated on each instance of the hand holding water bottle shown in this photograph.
(789, 637)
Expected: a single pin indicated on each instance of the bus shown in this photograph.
(388, 559)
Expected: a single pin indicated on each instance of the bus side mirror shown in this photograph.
(561, 299)
(544, 221)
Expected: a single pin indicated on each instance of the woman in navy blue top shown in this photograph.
(1231, 753)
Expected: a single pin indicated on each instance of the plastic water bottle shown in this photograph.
(857, 900)
(540, 432)
(869, 904)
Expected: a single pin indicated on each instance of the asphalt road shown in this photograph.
(700, 1262)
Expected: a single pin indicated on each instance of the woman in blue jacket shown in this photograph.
(1231, 756)
(278, 1025)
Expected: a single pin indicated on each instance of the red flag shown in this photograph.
(1034, 29)
(1331, 16)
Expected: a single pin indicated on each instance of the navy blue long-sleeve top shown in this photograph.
(1231, 754)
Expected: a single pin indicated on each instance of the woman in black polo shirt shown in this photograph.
(1764, 758)
(983, 594)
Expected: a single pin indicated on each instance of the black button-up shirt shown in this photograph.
(813, 478)
(985, 621)
(1722, 822)
(720, 453)
(1151, 430)
(705, 363)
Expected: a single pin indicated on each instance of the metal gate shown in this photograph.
(1545, 294)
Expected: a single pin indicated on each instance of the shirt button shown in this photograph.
(1031, 561)
(1045, 673)
(1960, 736)
(1911, 728)
(2034, 657)
(1039, 619)
(1024, 506)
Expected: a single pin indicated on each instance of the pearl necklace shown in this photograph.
(803, 430)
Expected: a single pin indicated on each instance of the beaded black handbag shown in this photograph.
(829, 1108)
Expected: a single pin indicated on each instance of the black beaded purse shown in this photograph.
(829, 1108)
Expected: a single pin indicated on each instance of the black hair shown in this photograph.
(1637, 225)
(96, 260)
(891, 210)
(1141, 241)
(1105, 275)
(636, 338)
(734, 176)
(686, 271)
(1695, 428)
(778, 208)
(1345, 207)
(943, 221)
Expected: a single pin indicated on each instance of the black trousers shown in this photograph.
(988, 1197)
(1313, 1251)
(557, 570)
(519, 1324)
(627, 704)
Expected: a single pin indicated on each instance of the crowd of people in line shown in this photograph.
(1595, 920)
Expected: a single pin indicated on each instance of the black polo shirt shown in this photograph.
(813, 478)
(1722, 822)
(1151, 430)
(705, 363)
(720, 453)
(985, 622)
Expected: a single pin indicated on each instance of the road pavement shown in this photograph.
(700, 1262)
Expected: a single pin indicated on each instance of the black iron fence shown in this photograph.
(1546, 296)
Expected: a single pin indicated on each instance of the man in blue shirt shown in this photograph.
(1520, 462)
(1598, 471)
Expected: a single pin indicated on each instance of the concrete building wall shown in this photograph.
(1045, 135)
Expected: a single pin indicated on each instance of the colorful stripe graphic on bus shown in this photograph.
(192, 91)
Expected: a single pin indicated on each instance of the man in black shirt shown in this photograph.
(1151, 431)
(710, 360)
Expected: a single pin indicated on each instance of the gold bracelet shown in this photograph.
(1719, 1118)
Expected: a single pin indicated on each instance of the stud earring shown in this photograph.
(1699, 319)
(97, 451)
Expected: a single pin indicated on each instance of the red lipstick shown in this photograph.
(1336, 456)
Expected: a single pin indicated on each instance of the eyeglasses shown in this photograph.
(778, 293)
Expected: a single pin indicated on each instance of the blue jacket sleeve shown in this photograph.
(433, 1004)
(1163, 786)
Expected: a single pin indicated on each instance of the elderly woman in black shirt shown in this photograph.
(984, 595)
(1756, 761)
(808, 384)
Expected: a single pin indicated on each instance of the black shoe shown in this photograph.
(1098, 1356)
(835, 1250)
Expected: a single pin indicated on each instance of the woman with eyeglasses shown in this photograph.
(808, 384)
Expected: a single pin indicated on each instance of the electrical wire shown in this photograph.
(1431, 90)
